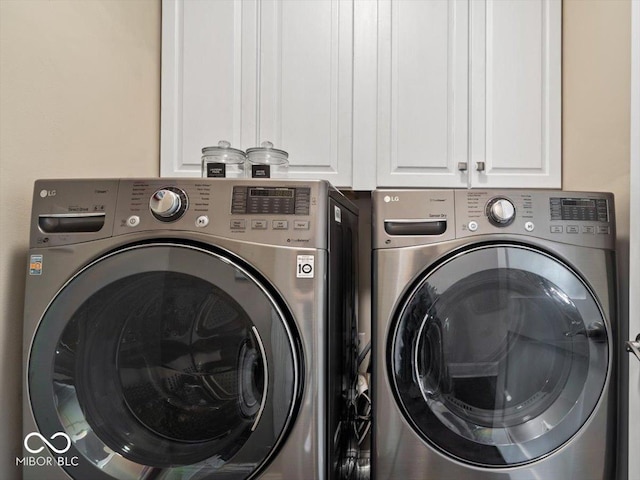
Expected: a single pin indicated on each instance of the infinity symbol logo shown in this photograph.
(47, 443)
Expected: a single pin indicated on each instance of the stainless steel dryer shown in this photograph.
(494, 328)
(180, 329)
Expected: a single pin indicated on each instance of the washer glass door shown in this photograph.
(499, 355)
(165, 361)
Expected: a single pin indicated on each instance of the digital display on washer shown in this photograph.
(271, 200)
(272, 192)
(579, 209)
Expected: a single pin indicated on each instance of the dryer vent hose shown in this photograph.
(356, 463)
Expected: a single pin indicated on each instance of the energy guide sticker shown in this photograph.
(305, 266)
(35, 265)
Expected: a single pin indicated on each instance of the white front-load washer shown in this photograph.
(494, 328)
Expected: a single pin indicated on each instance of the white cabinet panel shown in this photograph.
(248, 71)
(422, 92)
(515, 93)
(203, 93)
(306, 85)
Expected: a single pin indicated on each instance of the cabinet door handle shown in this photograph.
(480, 166)
(634, 347)
(462, 166)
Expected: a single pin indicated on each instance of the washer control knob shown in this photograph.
(501, 212)
(168, 204)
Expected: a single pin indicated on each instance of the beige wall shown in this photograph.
(596, 99)
(79, 97)
(596, 116)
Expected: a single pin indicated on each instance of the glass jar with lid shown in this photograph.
(267, 162)
(223, 161)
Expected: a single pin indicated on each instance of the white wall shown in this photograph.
(79, 97)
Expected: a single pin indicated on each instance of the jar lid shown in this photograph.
(266, 154)
(223, 150)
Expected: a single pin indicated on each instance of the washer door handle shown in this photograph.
(634, 347)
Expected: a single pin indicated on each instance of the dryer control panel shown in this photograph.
(577, 218)
(418, 217)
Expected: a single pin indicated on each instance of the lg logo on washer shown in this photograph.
(47, 193)
(391, 198)
(35, 443)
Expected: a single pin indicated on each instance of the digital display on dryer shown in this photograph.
(579, 209)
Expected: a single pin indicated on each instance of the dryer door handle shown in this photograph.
(634, 347)
(415, 227)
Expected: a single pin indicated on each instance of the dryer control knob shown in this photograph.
(168, 204)
(501, 212)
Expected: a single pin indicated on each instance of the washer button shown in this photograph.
(259, 224)
(472, 226)
(238, 224)
(133, 221)
(280, 224)
(529, 226)
(589, 229)
(573, 229)
(202, 221)
(301, 224)
(604, 230)
(556, 228)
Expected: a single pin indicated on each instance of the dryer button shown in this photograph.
(529, 226)
(133, 221)
(472, 226)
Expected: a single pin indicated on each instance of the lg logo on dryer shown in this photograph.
(391, 198)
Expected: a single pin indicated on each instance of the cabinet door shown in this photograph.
(515, 72)
(305, 85)
(208, 80)
(422, 101)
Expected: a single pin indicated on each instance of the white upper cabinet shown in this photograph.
(204, 94)
(423, 98)
(366, 94)
(248, 71)
(305, 85)
(515, 100)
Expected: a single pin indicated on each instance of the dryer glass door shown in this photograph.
(165, 361)
(499, 355)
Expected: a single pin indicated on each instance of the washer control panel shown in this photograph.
(274, 212)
